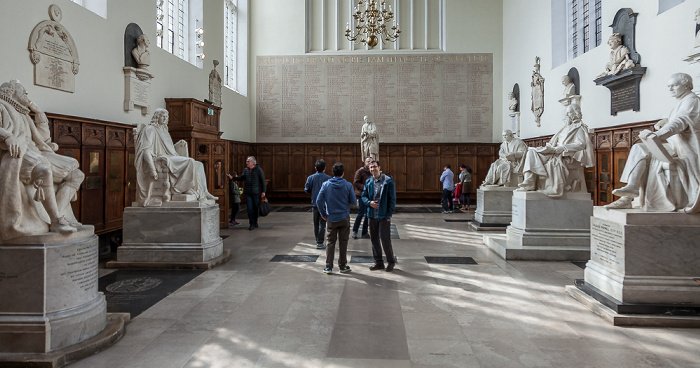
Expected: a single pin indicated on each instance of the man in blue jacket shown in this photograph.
(313, 186)
(379, 196)
(334, 201)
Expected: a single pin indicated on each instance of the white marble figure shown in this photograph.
(663, 186)
(505, 170)
(369, 139)
(36, 184)
(697, 28)
(537, 85)
(141, 53)
(619, 56)
(156, 155)
(512, 103)
(558, 167)
(215, 86)
(569, 86)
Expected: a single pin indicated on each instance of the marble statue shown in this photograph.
(141, 53)
(537, 85)
(569, 86)
(558, 167)
(505, 170)
(668, 180)
(369, 139)
(36, 184)
(697, 29)
(619, 56)
(163, 168)
(215, 86)
(512, 103)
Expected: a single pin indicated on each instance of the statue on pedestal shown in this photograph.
(619, 56)
(163, 168)
(369, 139)
(36, 183)
(664, 170)
(560, 163)
(505, 170)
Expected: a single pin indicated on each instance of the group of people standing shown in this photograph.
(331, 198)
(460, 192)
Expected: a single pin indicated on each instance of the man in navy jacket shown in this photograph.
(334, 201)
(379, 196)
(313, 186)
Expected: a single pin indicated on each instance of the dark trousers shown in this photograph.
(319, 226)
(253, 202)
(361, 213)
(338, 231)
(235, 207)
(447, 200)
(380, 230)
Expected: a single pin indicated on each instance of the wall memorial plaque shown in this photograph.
(412, 98)
(53, 53)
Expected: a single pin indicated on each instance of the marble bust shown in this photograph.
(504, 171)
(619, 56)
(557, 167)
(512, 103)
(162, 168)
(369, 139)
(569, 86)
(36, 184)
(663, 171)
(141, 53)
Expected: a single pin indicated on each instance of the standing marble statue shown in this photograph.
(560, 163)
(141, 53)
(36, 183)
(537, 85)
(660, 185)
(215, 86)
(619, 56)
(369, 139)
(505, 170)
(156, 155)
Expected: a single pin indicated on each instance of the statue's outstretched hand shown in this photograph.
(13, 147)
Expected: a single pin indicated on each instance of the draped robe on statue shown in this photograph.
(501, 170)
(555, 167)
(186, 176)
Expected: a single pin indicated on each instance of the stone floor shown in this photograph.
(251, 312)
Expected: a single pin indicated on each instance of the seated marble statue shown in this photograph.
(619, 56)
(36, 183)
(672, 182)
(505, 170)
(558, 167)
(163, 170)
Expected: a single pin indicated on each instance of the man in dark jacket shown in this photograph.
(361, 176)
(334, 201)
(379, 196)
(313, 186)
(254, 189)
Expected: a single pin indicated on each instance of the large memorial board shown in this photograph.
(413, 98)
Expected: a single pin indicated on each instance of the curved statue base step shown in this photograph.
(113, 331)
(49, 284)
(223, 258)
(171, 234)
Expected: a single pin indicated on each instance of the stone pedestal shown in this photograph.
(48, 292)
(544, 228)
(493, 208)
(137, 87)
(645, 257)
(177, 232)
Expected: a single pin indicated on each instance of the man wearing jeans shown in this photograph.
(361, 176)
(254, 189)
(379, 196)
(334, 201)
(313, 186)
(448, 185)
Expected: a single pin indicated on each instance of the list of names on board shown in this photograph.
(412, 98)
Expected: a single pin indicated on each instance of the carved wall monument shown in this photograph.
(137, 77)
(514, 109)
(413, 98)
(215, 86)
(537, 93)
(623, 71)
(53, 53)
(694, 57)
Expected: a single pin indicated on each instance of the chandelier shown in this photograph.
(371, 24)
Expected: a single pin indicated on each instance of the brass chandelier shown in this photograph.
(371, 24)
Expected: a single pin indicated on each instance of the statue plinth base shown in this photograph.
(624, 88)
(547, 229)
(176, 233)
(48, 292)
(493, 208)
(137, 87)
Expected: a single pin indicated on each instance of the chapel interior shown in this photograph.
(279, 80)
